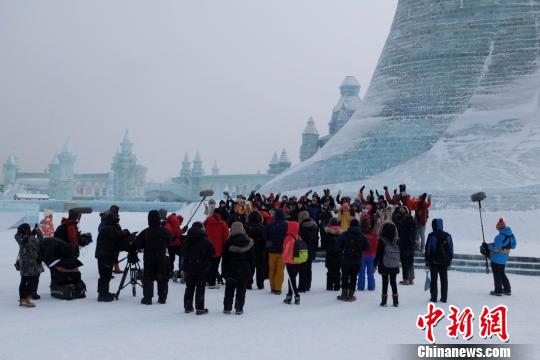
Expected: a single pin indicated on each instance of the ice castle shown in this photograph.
(453, 104)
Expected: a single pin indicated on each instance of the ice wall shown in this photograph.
(453, 79)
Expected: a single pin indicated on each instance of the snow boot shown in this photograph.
(404, 282)
(505, 293)
(297, 300)
(239, 312)
(351, 296)
(395, 300)
(27, 303)
(288, 299)
(162, 300)
(36, 296)
(188, 311)
(146, 301)
(227, 312)
(106, 297)
(117, 269)
(384, 297)
(201, 312)
(344, 295)
(493, 293)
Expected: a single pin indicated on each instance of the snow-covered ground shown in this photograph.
(320, 328)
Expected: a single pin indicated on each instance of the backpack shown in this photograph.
(300, 252)
(61, 233)
(391, 255)
(443, 254)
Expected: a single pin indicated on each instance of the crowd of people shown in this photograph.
(244, 241)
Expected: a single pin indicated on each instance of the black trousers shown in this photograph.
(238, 287)
(499, 277)
(173, 252)
(349, 276)
(438, 271)
(155, 271)
(333, 274)
(392, 278)
(305, 277)
(293, 270)
(261, 268)
(195, 285)
(105, 269)
(213, 274)
(28, 286)
(407, 265)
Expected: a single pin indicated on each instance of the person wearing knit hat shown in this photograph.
(238, 260)
(500, 250)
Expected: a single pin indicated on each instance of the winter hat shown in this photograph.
(303, 215)
(388, 231)
(162, 213)
(47, 213)
(354, 223)
(24, 229)
(114, 209)
(237, 228)
(500, 224)
(153, 218)
(74, 214)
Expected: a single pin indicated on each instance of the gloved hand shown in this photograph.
(377, 192)
(362, 188)
(395, 191)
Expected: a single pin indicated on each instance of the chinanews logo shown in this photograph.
(463, 324)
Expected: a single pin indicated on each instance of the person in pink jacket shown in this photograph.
(293, 268)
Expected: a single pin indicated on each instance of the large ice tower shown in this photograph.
(453, 103)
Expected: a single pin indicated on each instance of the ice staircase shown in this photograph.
(476, 263)
(519, 265)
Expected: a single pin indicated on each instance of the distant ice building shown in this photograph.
(60, 182)
(192, 179)
(342, 112)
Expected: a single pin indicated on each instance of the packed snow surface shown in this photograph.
(320, 328)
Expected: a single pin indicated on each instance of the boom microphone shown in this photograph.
(206, 193)
(479, 196)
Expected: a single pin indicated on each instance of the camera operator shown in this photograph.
(154, 240)
(69, 229)
(109, 242)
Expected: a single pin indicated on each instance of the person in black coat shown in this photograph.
(309, 232)
(332, 260)
(257, 231)
(406, 228)
(238, 260)
(154, 240)
(198, 252)
(387, 260)
(351, 244)
(109, 241)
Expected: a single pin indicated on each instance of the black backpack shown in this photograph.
(61, 233)
(351, 246)
(443, 254)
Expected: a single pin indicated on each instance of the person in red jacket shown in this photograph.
(421, 216)
(217, 231)
(173, 226)
(71, 225)
(366, 265)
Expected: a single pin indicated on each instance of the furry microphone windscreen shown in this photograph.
(479, 196)
(206, 193)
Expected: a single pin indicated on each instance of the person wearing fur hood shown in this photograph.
(238, 260)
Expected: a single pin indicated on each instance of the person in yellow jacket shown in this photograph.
(344, 217)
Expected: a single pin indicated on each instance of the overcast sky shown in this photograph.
(235, 80)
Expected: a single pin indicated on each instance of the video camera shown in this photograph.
(85, 240)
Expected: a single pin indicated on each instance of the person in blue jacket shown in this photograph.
(500, 250)
(438, 255)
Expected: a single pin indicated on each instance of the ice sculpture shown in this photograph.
(453, 103)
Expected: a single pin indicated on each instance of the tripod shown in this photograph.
(135, 273)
